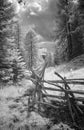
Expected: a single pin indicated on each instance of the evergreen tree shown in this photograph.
(69, 28)
(63, 29)
(30, 49)
(14, 57)
(6, 14)
(81, 22)
(11, 60)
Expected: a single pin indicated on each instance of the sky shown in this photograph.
(40, 14)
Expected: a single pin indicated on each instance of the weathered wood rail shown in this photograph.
(70, 81)
(40, 93)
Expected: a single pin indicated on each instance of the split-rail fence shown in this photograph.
(40, 96)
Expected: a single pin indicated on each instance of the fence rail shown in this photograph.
(69, 81)
(59, 90)
(62, 85)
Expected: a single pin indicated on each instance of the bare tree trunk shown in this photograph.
(68, 30)
(69, 40)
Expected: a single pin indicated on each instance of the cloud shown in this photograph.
(35, 6)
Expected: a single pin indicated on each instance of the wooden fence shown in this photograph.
(40, 95)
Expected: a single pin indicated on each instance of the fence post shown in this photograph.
(68, 100)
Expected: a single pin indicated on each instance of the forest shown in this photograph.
(41, 50)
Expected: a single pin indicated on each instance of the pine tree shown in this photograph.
(11, 61)
(69, 28)
(6, 14)
(14, 57)
(63, 29)
(81, 22)
(30, 49)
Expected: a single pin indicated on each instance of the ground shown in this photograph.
(13, 112)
